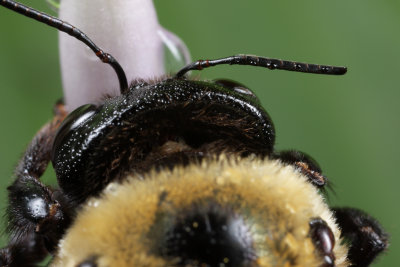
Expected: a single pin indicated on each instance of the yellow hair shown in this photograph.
(121, 227)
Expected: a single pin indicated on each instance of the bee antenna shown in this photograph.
(265, 62)
(73, 31)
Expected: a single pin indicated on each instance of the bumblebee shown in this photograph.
(177, 172)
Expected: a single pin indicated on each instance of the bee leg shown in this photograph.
(36, 219)
(37, 156)
(365, 235)
(303, 163)
(24, 253)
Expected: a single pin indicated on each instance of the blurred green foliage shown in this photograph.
(350, 124)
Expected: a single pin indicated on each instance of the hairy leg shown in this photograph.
(36, 220)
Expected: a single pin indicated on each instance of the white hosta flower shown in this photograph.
(127, 29)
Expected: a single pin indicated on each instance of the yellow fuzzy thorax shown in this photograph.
(122, 227)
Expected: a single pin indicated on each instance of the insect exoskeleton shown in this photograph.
(176, 172)
(238, 212)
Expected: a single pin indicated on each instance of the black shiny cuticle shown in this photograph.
(119, 135)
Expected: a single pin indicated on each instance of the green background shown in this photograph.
(350, 124)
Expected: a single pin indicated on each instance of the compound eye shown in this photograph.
(324, 240)
(73, 120)
(235, 86)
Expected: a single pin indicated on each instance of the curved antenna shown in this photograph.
(73, 31)
(265, 62)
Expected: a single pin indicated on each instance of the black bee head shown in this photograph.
(160, 124)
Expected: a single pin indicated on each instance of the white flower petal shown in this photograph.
(127, 29)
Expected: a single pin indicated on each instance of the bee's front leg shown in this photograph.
(36, 216)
